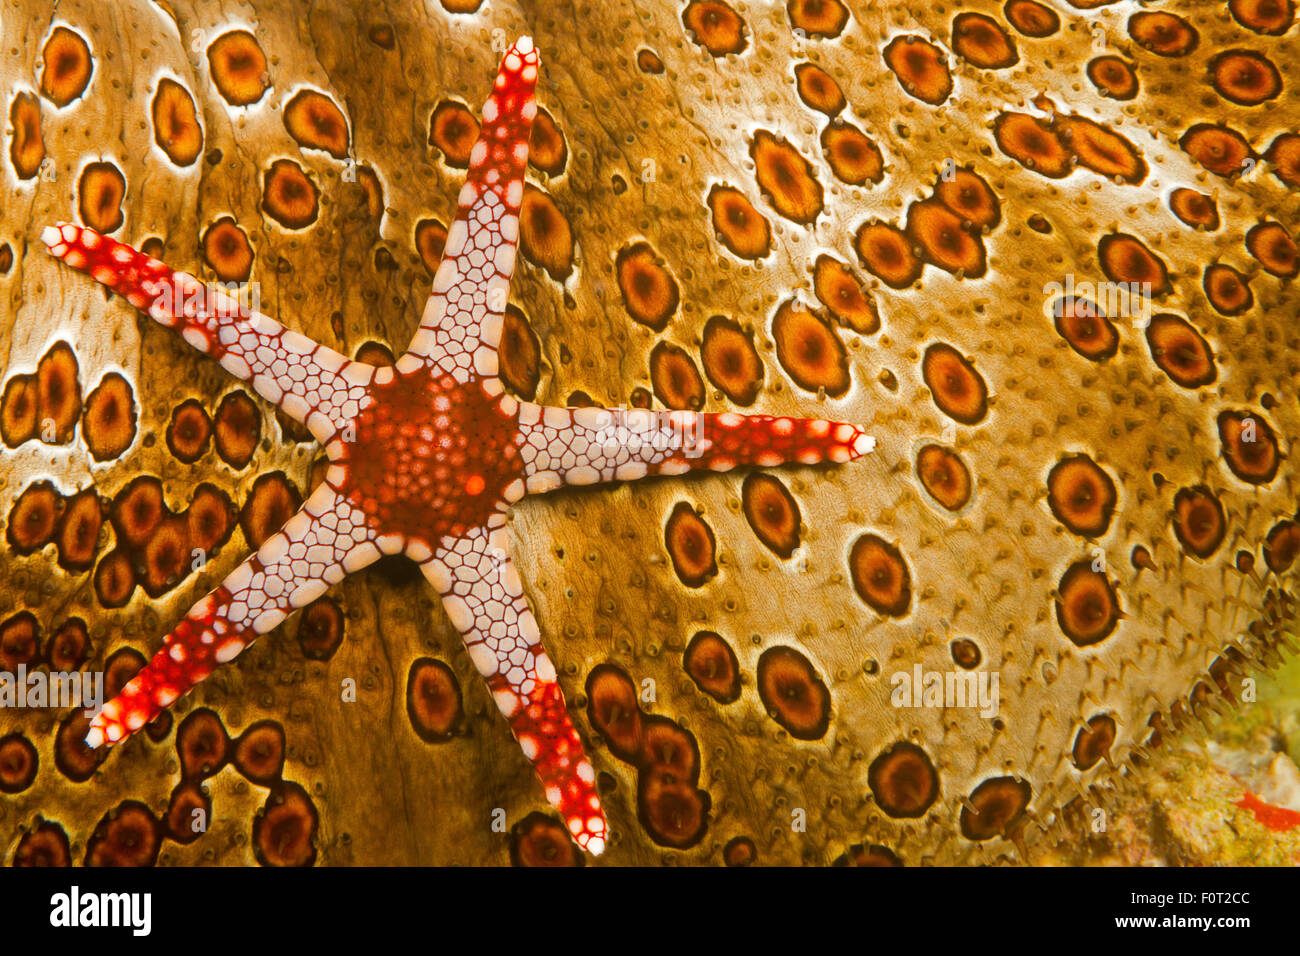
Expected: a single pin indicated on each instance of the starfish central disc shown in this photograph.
(430, 457)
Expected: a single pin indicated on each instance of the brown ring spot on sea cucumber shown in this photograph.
(19, 410)
(740, 851)
(1081, 495)
(1125, 258)
(166, 558)
(114, 579)
(58, 392)
(793, 693)
(648, 61)
(284, 829)
(1113, 77)
(1221, 150)
(886, 252)
(786, 178)
(981, 41)
(903, 780)
(1282, 546)
(539, 840)
(20, 641)
(270, 504)
(1163, 34)
(1102, 150)
(969, 196)
(99, 196)
(844, 297)
(189, 811)
(109, 422)
(1087, 608)
(6, 258)
(382, 35)
(78, 536)
(461, 6)
(544, 234)
(27, 148)
(1141, 558)
(189, 431)
(965, 653)
(650, 293)
(691, 545)
(853, 156)
(613, 710)
(137, 509)
(1031, 18)
(818, 89)
(453, 129)
(226, 250)
(375, 353)
(1273, 247)
(433, 701)
(675, 380)
(210, 518)
(72, 757)
(1180, 351)
(430, 238)
(772, 512)
(374, 191)
(69, 647)
(880, 575)
(713, 666)
(822, 19)
(809, 350)
(289, 196)
(547, 150)
(315, 121)
(740, 227)
(668, 750)
(1227, 289)
(1244, 77)
(994, 808)
(238, 67)
(921, 68)
(320, 629)
(237, 428)
(34, 518)
(1269, 17)
(122, 665)
(519, 354)
(715, 26)
(944, 476)
(1033, 144)
(46, 844)
(943, 240)
(1199, 522)
(1196, 209)
(730, 360)
(1249, 446)
(957, 388)
(128, 835)
(1283, 154)
(202, 744)
(66, 66)
(176, 127)
(673, 812)
(870, 854)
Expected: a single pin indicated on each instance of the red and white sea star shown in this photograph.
(427, 457)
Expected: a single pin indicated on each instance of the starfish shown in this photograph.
(426, 458)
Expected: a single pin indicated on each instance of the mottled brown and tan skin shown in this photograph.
(652, 118)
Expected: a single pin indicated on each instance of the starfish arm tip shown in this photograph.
(863, 444)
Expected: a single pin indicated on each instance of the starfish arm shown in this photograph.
(461, 325)
(312, 383)
(581, 446)
(484, 598)
(316, 548)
